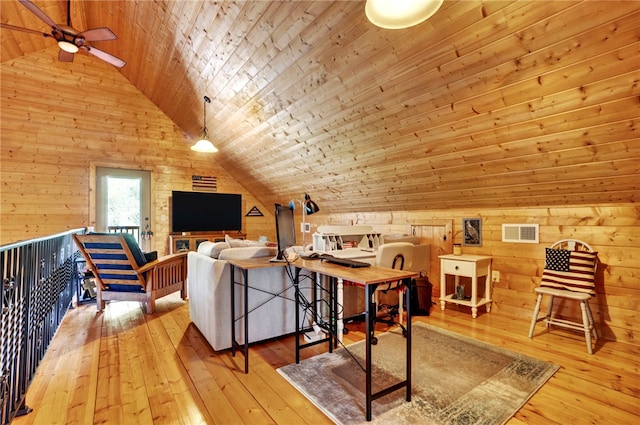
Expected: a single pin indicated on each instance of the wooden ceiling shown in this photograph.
(511, 103)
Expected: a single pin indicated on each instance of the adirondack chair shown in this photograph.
(123, 273)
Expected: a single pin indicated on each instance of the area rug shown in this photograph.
(455, 380)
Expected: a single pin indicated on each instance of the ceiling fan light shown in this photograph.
(397, 14)
(67, 46)
(203, 145)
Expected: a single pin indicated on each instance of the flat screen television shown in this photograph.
(285, 229)
(205, 212)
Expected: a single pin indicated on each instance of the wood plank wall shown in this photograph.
(60, 120)
(54, 128)
(612, 230)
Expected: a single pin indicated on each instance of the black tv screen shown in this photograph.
(205, 212)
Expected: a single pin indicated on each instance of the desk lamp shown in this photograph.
(308, 207)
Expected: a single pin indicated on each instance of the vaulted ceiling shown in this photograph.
(511, 103)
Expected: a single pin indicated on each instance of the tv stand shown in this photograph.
(179, 242)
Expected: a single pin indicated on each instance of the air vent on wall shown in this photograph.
(523, 233)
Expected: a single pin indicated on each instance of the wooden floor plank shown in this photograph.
(82, 405)
(177, 355)
(122, 365)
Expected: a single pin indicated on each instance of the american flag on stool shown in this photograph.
(572, 270)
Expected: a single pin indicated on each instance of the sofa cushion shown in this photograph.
(212, 249)
(235, 243)
(247, 252)
(241, 243)
(131, 242)
(138, 256)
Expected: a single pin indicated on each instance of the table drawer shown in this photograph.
(461, 268)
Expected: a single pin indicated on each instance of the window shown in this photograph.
(123, 198)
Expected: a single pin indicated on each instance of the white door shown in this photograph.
(123, 198)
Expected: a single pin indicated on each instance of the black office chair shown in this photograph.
(397, 255)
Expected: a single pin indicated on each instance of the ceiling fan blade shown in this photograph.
(39, 13)
(98, 34)
(64, 56)
(13, 27)
(107, 57)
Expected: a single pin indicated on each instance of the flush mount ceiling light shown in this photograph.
(204, 145)
(396, 14)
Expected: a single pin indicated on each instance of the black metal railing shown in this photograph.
(37, 290)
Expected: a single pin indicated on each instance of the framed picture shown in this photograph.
(472, 231)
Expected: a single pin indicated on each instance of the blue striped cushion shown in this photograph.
(140, 258)
(137, 254)
(125, 288)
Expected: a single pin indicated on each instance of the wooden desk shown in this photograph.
(245, 266)
(355, 300)
(369, 278)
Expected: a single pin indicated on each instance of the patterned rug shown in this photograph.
(455, 380)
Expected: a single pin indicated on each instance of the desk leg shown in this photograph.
(245, 321)
(245, 281)
(297, 289)
(233, 312)
(340, 307)
(407, 302)
(333, 315)
(368, 318)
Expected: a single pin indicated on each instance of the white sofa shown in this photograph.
(209, 283)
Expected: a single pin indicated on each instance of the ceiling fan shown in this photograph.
(69, 39)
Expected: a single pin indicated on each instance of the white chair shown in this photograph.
(396, 255)
(569, 275)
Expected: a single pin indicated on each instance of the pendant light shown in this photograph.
(204, 145)
(397, 14)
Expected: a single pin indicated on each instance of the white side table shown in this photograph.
(473, 266)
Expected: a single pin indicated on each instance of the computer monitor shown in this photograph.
(285, 229)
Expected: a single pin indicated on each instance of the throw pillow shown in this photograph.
(255, 243)
(131, 243)
(235, 243)
(150, 256)
(138, 256)
(212, 249)
(557, 259)
(241, 243)
(576, 273)
(247, 252)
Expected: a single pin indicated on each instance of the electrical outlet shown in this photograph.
(495, 276)
(305, 227)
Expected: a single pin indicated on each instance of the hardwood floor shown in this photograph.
(124, 367)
